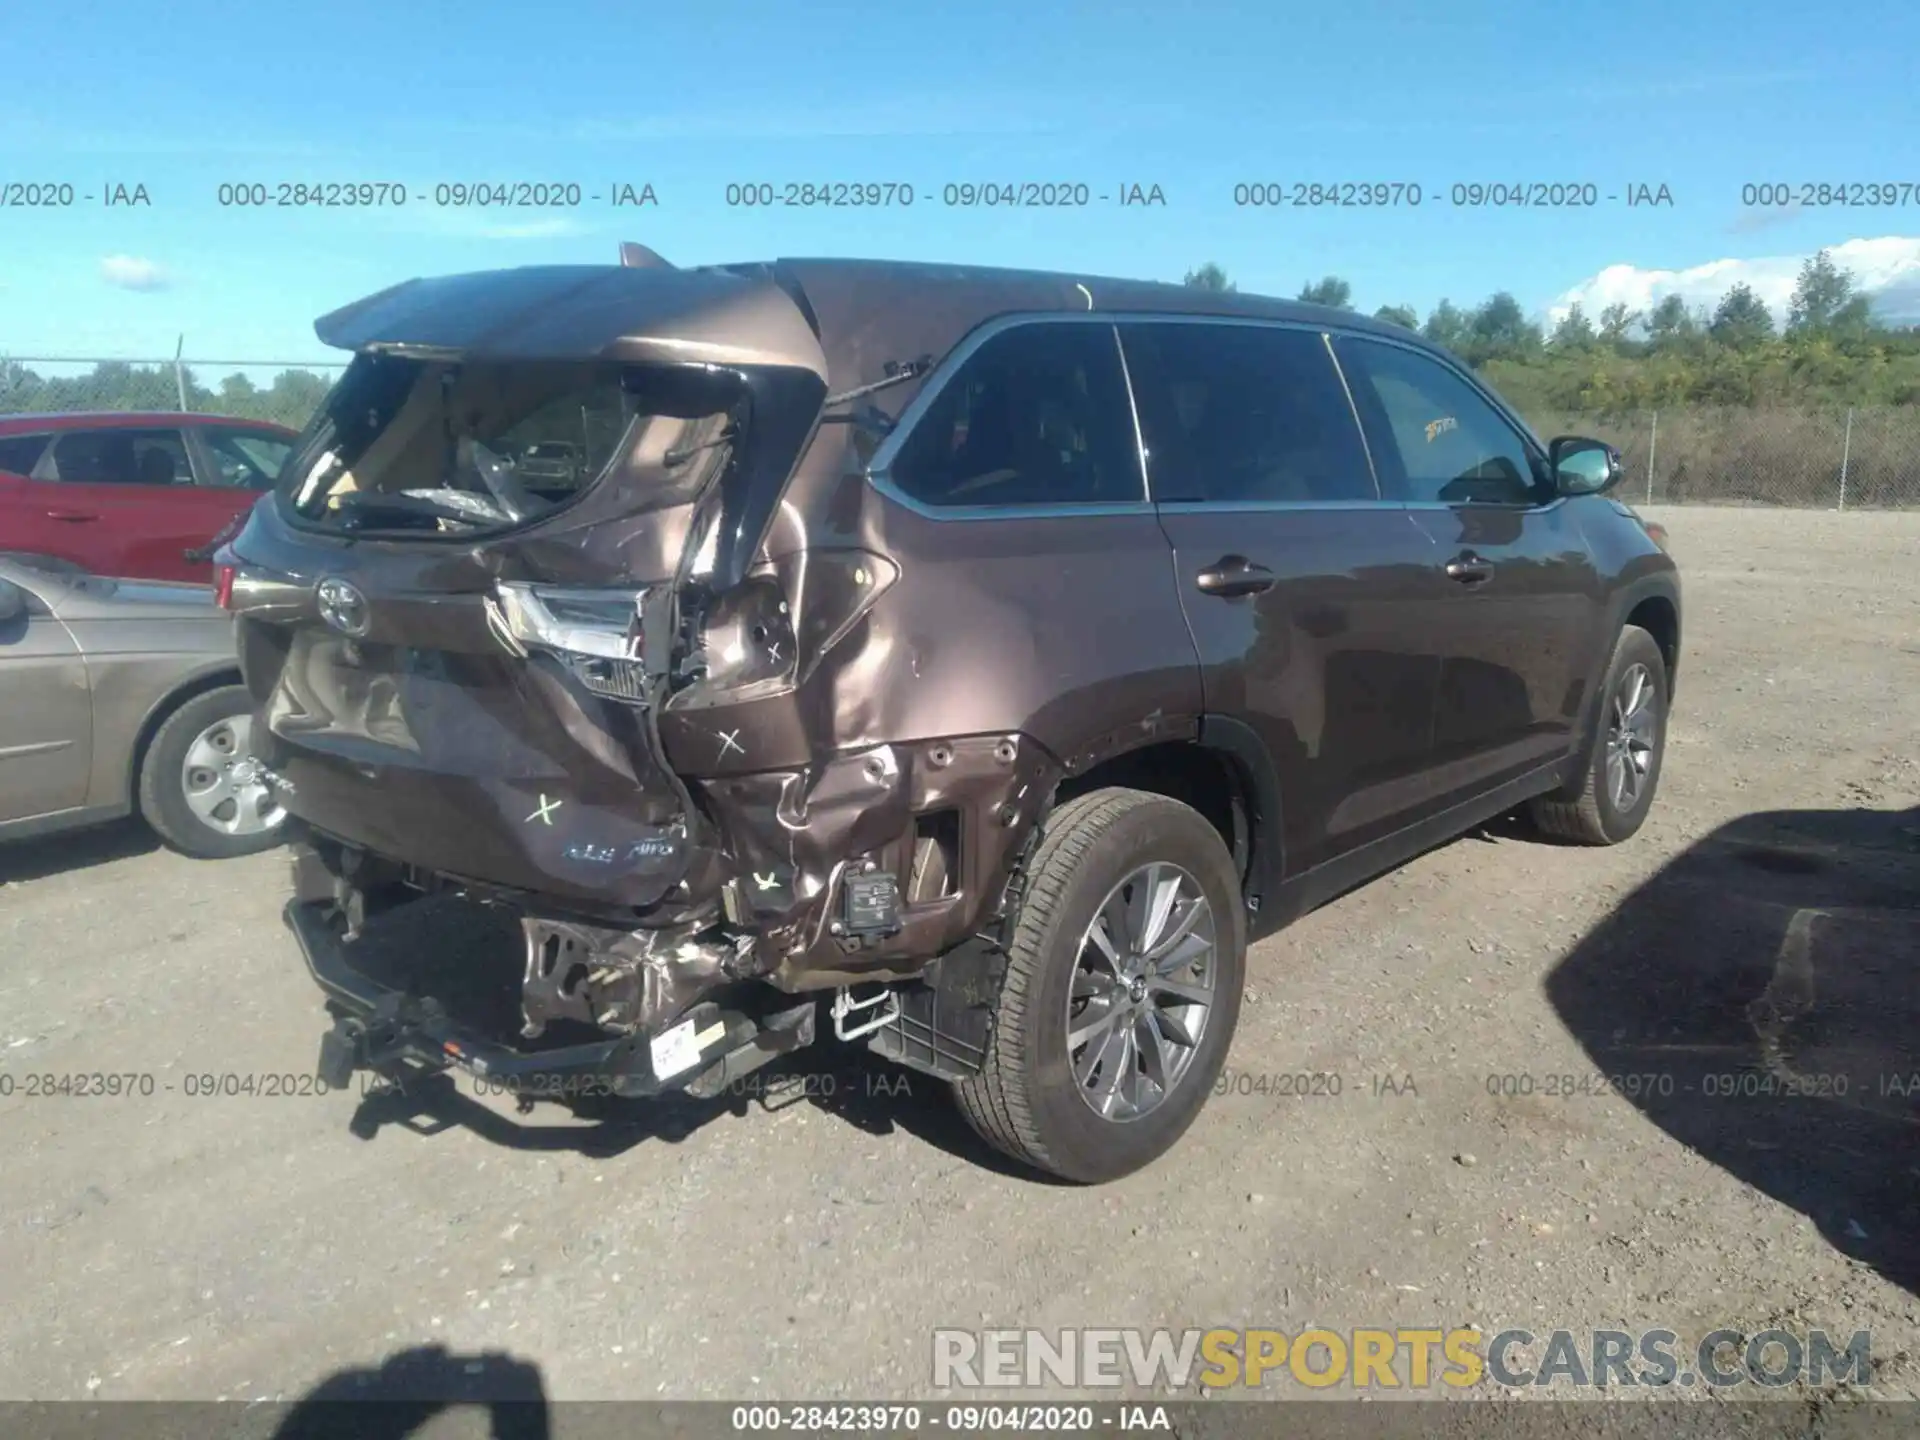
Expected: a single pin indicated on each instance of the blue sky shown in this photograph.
(183, 97)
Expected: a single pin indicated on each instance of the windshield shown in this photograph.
(454, 448)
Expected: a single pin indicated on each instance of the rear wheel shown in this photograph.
(1615, 791)
(201, 788)
(1122, 990)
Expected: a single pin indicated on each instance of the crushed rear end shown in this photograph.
(501, 684)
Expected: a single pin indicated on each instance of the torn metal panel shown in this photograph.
(795, 837)
(620, 981)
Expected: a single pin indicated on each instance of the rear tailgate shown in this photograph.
(482, 703)
(428, 740)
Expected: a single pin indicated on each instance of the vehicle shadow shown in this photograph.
(1759, 1000)
(844, 1081)
(36, 859)
(413, 1388)
(470, 958)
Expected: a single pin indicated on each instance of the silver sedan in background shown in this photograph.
(125, 695)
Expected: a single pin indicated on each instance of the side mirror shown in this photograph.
(1583, 467)
(13, 602)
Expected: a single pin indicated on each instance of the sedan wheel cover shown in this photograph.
(224, 785)
(1142, 992)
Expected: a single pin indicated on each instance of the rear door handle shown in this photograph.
(1233, 575)
(72, 516)
(1469, 569)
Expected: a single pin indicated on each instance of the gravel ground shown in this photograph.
(178, 1247)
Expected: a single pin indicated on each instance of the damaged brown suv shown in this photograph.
(971, 661)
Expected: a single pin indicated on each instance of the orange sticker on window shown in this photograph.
(1440, 427)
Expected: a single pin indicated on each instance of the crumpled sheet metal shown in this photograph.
(792, 835)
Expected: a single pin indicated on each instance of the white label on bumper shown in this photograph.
(678, 1049)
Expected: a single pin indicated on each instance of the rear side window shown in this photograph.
(1244, 414)
(121, 457)
(20, 453)
(1037, 415)
(1434, 437)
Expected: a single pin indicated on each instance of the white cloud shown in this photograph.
(130, 272)
(1886, 270)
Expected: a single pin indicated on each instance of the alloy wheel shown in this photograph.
(1633, 728)
(1143, 988)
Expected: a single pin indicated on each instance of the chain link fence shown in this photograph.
(284, 391)
(1829, 458)
(1836, 457)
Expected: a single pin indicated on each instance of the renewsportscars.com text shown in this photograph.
(1390, 1359)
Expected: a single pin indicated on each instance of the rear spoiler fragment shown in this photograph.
(635, 256)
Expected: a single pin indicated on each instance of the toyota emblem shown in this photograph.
(343, 607)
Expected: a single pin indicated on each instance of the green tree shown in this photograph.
(1500, 329)
(1401, 315)
(1616, 324)
(237, 391)
(1448, 326)
(293, 397)
(1741, 320)
(1670, 323)
(1331, 291)
(1574, 331)
(1825, 301)
(118, 385)
(1209, 277)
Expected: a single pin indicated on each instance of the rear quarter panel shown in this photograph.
(1005, 654)
(1066, 629)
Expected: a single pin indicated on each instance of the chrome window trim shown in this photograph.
(1473, 382)
(1268, 507)
(1503, 412)
(879, 467)
(1353, 409)
(1006, 512)
(1530, 507)
(1133, 410)
(1255, 322)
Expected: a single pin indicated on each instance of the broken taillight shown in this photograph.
(596, 633)
(580, 622)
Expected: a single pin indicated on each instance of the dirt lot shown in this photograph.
(187, 1246)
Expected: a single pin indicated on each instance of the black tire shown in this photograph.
(1026, 1100)
(1589, 813)
(162, 783)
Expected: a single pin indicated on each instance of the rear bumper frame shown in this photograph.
(402, 1037)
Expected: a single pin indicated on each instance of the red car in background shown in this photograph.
(128, 494)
